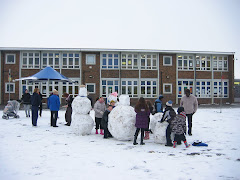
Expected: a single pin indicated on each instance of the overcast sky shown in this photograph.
(201, 25)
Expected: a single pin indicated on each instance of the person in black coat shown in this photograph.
(104, 122)
(68, 114)
(26, 99)
(35, 101)
(40, 107)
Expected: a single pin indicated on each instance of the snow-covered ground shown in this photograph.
(28, 153)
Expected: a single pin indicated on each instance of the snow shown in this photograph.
(46, 152)
(81, 105)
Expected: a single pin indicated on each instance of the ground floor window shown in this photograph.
(91, 87)
(167, 88)
(183, 85)
(148, 88)
(9, 87)
(130, 87)
(220, 88)
(109, 86)
(30, 86)
(203, 89)
(71, 88)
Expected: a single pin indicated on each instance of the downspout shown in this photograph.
(194, 65)
(1, 76)
(212, 90)
(20, 75)
(176, 78)
(120, 82)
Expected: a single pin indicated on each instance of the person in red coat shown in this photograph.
(142, 117)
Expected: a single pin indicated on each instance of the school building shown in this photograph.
(136, 72)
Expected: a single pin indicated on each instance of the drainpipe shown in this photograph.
(212, 72)
(1, 76)
(194, 65)
(120, 83)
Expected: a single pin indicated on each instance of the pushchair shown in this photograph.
(11, 110)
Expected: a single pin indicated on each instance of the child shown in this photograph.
(178, 126)
(104, 122)
(168, 115)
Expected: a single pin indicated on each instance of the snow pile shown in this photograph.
(160, 132)
(82, 123)
(154, 119)
(122, 119)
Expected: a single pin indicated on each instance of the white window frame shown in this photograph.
(9, 84)
(27, 85)
(164, 88)
(203, 90)
(129, 57)
(55, 54)
(146, 95)
(203, 59)
(189, 58)
(220, 88)
(132, 87)
(107, 86)
(74, 58)
(91, 55)
(6, 60)
(185, 86)
(73, 85)
(145, 57)
(94, 87)
(220, 59)
(107, 66)
(33, 66)
(164, 64)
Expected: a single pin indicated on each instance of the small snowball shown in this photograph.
(124, 100)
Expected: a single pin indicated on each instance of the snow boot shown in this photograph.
(101, 132)
(146, 135)
(96, 131)
(135, 140)
(142, 143)
(186, 144)
(174, 144)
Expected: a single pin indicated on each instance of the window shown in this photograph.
(90, 59)
(109, 86)
(30, 60)
(30, 86)
(203, 63)
(110, 60)
(148, 61)
(9, 87)
(149, 88)
(130, 87)
(167, 60)
(91, 88)
(220, 88)
(71, 60)
(129, 61)
(183, 85)
(167, 88)
(203, 88)
(220, 63)
(50, 59)
(10, 58)
(185, 62)
(71, 88)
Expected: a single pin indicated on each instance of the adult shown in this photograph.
(35, 102)
(158, 104)
(26, 100)
(190, 104)
(99, 108)
(68, 114)
(142, 117)
(54, 106)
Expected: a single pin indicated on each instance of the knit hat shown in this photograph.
(169, 103)
(180, 109)
(160, 96)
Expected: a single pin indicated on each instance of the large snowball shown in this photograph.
(124, 100)
(81, 105)
(121, 122)
(82, 124)
(154, 119)
(160, 132)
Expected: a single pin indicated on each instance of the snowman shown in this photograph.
(82, 123)
(122, 119)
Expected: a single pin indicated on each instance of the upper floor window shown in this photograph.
(71, 60)
(129, 61)
(130, 87)
(50, 59)
(220, 63)
(185, 62)
(167, 60)
(148, 61)
(203, 63)
(10, 59)
(90, 59)
(110, 60)
(149, 88)
(30, 60)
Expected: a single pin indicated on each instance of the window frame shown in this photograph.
(132, 80)
(185, 86)
(9, 84)
(73, 85)
(94, 84)
(88, 55)
(132, 58)
(54, 66)
(74, 57)
(199, 93)
(164, 89)
(146, 58)
(188, 60)
(146, 87)
(216, 60)
(106, 86)
(28, 66)
(220, 88)
(6, 58)
(107, 58)
(164, 64)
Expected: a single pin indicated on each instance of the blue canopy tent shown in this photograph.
(45, 75)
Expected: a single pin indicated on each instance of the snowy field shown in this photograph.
(28, 153)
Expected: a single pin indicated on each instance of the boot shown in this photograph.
(186, 144)
(96, 131)
(135, 140)
(174, 144)
(146, 135)
(101, 132)
(142, 143)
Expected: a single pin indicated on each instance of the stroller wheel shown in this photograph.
(7, 117)
(3, 117)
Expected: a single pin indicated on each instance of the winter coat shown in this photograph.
(99, 109)
(178, 124)
(35, 100)
(54, 103)
(168, 115)
(190, 104)
(142, 118)
(69, 100)
(26, 98)
(104, 121)
(158, 106)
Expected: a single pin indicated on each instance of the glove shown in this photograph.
(101, 112)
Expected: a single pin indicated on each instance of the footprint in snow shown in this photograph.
(100, 164)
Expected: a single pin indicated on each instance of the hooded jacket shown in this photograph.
(178, 124)
(190, 104)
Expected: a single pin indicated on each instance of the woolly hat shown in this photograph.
(180, 109)
(169, 103)
(160, 96)
(55, 91)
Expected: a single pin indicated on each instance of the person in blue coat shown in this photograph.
(158, 104)
(35, 102)
(54, 106)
